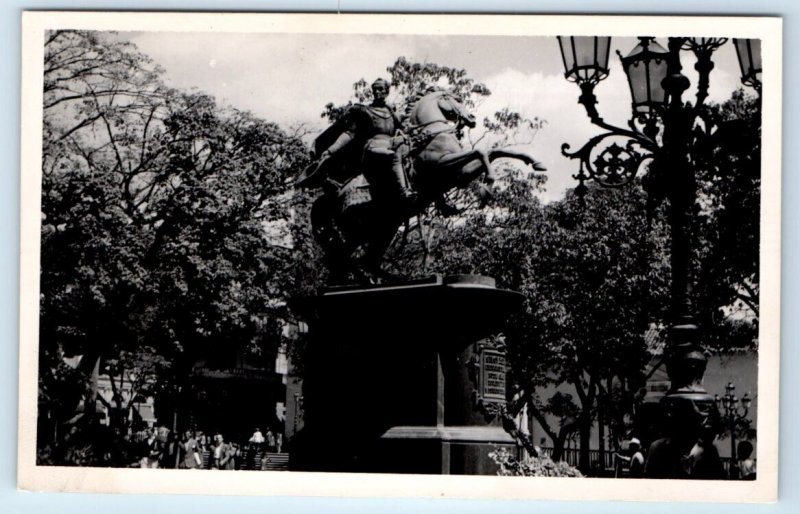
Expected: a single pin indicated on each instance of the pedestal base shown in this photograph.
(443, 450)
(400, 379)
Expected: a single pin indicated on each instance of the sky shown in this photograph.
(288, 78)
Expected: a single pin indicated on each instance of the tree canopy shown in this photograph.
(164, 216)
(728, 223)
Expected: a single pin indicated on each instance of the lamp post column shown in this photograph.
(682, 187)
(686, 360)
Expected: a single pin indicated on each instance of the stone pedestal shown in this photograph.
(404, 378)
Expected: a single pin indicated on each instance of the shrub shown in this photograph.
(534, 467)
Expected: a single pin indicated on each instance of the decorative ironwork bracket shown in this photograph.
(614, 166)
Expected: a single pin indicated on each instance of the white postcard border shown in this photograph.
(44, 478)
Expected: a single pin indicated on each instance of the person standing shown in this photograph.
(257, 437)
(237, 456)
(256, 444)
(204, 447)
(153, 450)
(227, 455)
(216, 452)
(636, 465)
(191, 455)
(635, 459)
(170, 454)
(747, 466)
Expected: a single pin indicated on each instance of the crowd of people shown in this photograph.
(194, 449)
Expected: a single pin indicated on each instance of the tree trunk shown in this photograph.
(601, 433)
(92, 363)
(584, 421)
(560, 441)
(617, 428)
(585, 432)
(558, 446)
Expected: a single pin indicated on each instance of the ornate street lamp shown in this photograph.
(585, 58)
(659, 133)
(646, 68)
(748, 51)
(734, 412)
(585, 63)
(703, 48)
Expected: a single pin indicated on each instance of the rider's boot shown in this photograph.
(404, 192)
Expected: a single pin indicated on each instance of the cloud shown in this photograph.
(553, 99)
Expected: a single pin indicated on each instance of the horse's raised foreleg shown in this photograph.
(469, 164)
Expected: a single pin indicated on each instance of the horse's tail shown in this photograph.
(323, 225)
(499, 153)
(325, 212)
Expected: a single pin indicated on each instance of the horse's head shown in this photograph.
(454, 110)
(440, 106)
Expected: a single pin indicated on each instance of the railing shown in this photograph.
(265, 461)
(608, 464)
(572, 456)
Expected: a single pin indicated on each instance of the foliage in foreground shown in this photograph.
(534, 467)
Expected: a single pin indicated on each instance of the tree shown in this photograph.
(611, 283)
(728, 223)
(142, 370)
(100, 99)
(165, 218)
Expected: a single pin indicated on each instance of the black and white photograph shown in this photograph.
(295, 253)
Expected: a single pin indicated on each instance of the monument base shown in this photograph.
(406, 378)
(443, 450)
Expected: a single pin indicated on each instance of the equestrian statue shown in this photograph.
(376, 172)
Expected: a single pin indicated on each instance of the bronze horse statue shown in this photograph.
(358, 216)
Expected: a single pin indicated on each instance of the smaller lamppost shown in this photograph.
(733, 411)
(298, 406)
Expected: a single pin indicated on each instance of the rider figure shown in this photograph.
(373, 129)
